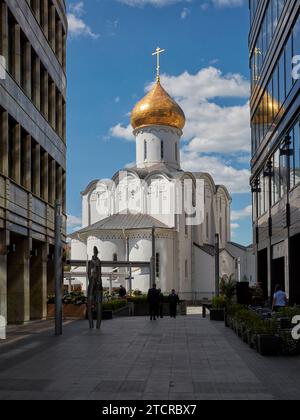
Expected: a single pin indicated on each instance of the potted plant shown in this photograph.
(217, 312)
(74, 306)
(112, 307)
(267, 338)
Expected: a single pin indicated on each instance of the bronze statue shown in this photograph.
(95, 290)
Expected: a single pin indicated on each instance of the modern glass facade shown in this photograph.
(274, 44)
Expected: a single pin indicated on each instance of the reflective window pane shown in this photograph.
(288, 66)
(297, 153)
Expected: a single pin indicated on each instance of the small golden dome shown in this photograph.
(157, 108)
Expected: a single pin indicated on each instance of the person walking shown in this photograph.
(173, 302)
(153, 301)
(280, 299)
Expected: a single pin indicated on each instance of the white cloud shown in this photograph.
(73, 222)
(76, 25)
(122, 132)
(156, 3)
(242, 214)
(208, 83)
(185, 12)
(235, 226)
(162, 3)
(228, 3)
(236, 180)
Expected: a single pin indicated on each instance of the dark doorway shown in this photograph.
(50, 271)
(38, 281)
(262, 271)
(278, 274)
(295, 270)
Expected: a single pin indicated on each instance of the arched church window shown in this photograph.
(145, 150)
(115, 257)
(157, 265)
(161, 150)
(176, 152)
(186, 270)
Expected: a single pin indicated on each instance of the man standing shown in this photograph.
(122, 292)
(173, 301)
(153, 301)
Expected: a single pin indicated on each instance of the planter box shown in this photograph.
(285, 323)
(217, 315)
(69, 311)
(268, 345)
(107, 315)
(288, 346)
(252, 340)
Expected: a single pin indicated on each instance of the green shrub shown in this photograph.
(289, 312)
(137, 299)
(74, 298)
(252, 321)
(114, 305)
(227, 288)
(219, 302)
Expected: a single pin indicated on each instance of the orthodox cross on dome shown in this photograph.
(157, 53)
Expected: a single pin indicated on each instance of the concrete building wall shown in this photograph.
(203, 274)
(32, 150)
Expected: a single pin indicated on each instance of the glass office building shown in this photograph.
(274, 44)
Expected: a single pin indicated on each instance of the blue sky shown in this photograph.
(205, 68)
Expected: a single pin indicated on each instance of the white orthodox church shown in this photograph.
(122, 215)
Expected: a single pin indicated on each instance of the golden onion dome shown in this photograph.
(157, 108)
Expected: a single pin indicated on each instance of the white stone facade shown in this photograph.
(184, 253)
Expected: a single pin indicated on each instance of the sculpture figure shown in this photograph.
(95, 290)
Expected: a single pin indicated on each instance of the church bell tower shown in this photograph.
(157, 121)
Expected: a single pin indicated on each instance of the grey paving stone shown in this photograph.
(131, 358)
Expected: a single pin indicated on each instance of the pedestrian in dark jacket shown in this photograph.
(153, 301)
(122, 292)
(173, 301)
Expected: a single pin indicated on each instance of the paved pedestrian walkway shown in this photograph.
(189, 358)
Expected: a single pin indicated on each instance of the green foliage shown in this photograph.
(219, 302)
(73, 298)
(114, 305)
(137, 293)
(227, 288)
(252, 321)
(233, 309)
(289, 312)
(137, 299)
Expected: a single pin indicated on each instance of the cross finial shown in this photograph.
(157, 53)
